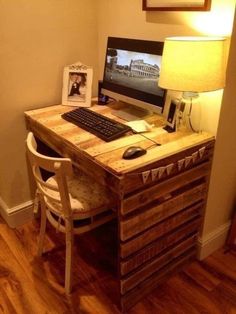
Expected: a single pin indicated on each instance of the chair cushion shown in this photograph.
(85, 194)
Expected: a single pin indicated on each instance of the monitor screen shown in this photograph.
(131, 72)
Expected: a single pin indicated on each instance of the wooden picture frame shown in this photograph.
(77, 85)
(176, 5)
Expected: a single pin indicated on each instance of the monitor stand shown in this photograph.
(131, 112)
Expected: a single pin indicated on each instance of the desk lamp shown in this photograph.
(192, 65)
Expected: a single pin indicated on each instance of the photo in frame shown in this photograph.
(77, 85)
(176, 5)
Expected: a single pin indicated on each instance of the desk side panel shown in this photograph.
(159, 223)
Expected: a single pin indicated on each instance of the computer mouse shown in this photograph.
(133, 152)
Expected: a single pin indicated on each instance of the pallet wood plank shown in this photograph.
(138, 223)
(146, 254)
(143, 197)
(140, 241)
(154, 153)
(131, 298)
(172, 143)
(134, 279)
(133, 182)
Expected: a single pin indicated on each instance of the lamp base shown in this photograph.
(190, 95)
(192, 114)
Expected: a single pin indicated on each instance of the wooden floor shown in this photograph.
(32, 285)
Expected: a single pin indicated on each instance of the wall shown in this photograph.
(38, 38)
(126, 19)
(222, 190)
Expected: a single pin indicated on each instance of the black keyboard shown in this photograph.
(103, 127)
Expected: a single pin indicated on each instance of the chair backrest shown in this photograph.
(56, 195)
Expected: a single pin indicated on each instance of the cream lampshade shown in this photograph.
(193, 64)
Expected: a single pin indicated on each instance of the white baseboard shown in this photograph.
(17, 215)
(213, 241)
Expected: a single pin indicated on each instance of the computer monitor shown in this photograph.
(131, 76)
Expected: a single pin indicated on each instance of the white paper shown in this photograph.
(145, 176)
(139, 126)
(154, 173)
(187, 161)
(169, 168)
(161, 171)
(201, 151)
(180, 164)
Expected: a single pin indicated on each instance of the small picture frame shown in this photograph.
(77, 85)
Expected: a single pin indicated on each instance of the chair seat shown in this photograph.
(85, 194)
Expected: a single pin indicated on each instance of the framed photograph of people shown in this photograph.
(77, 85)
(176, 5)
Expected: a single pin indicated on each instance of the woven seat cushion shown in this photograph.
(85, 194)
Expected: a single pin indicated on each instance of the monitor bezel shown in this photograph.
(142, 99)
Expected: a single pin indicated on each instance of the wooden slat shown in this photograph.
(163, 188)
(161, 138)
(139, 242)
(156, 247)
(131, 298)
(184, 142)
(77, 156)
(134, 279)
(144, 220)
(114, 145)
(105, 152)
(109, 156)
(134, 182)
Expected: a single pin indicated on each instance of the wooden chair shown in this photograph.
(65, 199)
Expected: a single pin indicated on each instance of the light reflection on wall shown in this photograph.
(218, 21)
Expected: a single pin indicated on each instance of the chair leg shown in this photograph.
(69, 255)
(36, 205)
(42, 227)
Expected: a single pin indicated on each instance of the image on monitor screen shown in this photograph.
(134, 70)
(131, 72)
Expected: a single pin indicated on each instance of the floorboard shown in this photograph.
(29, 284)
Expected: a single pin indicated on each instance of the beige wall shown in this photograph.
(126, 19)
(38, 38)
(222, 191)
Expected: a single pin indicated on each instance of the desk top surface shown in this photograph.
(109, 154)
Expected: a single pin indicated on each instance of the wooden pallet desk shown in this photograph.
(160, 196)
